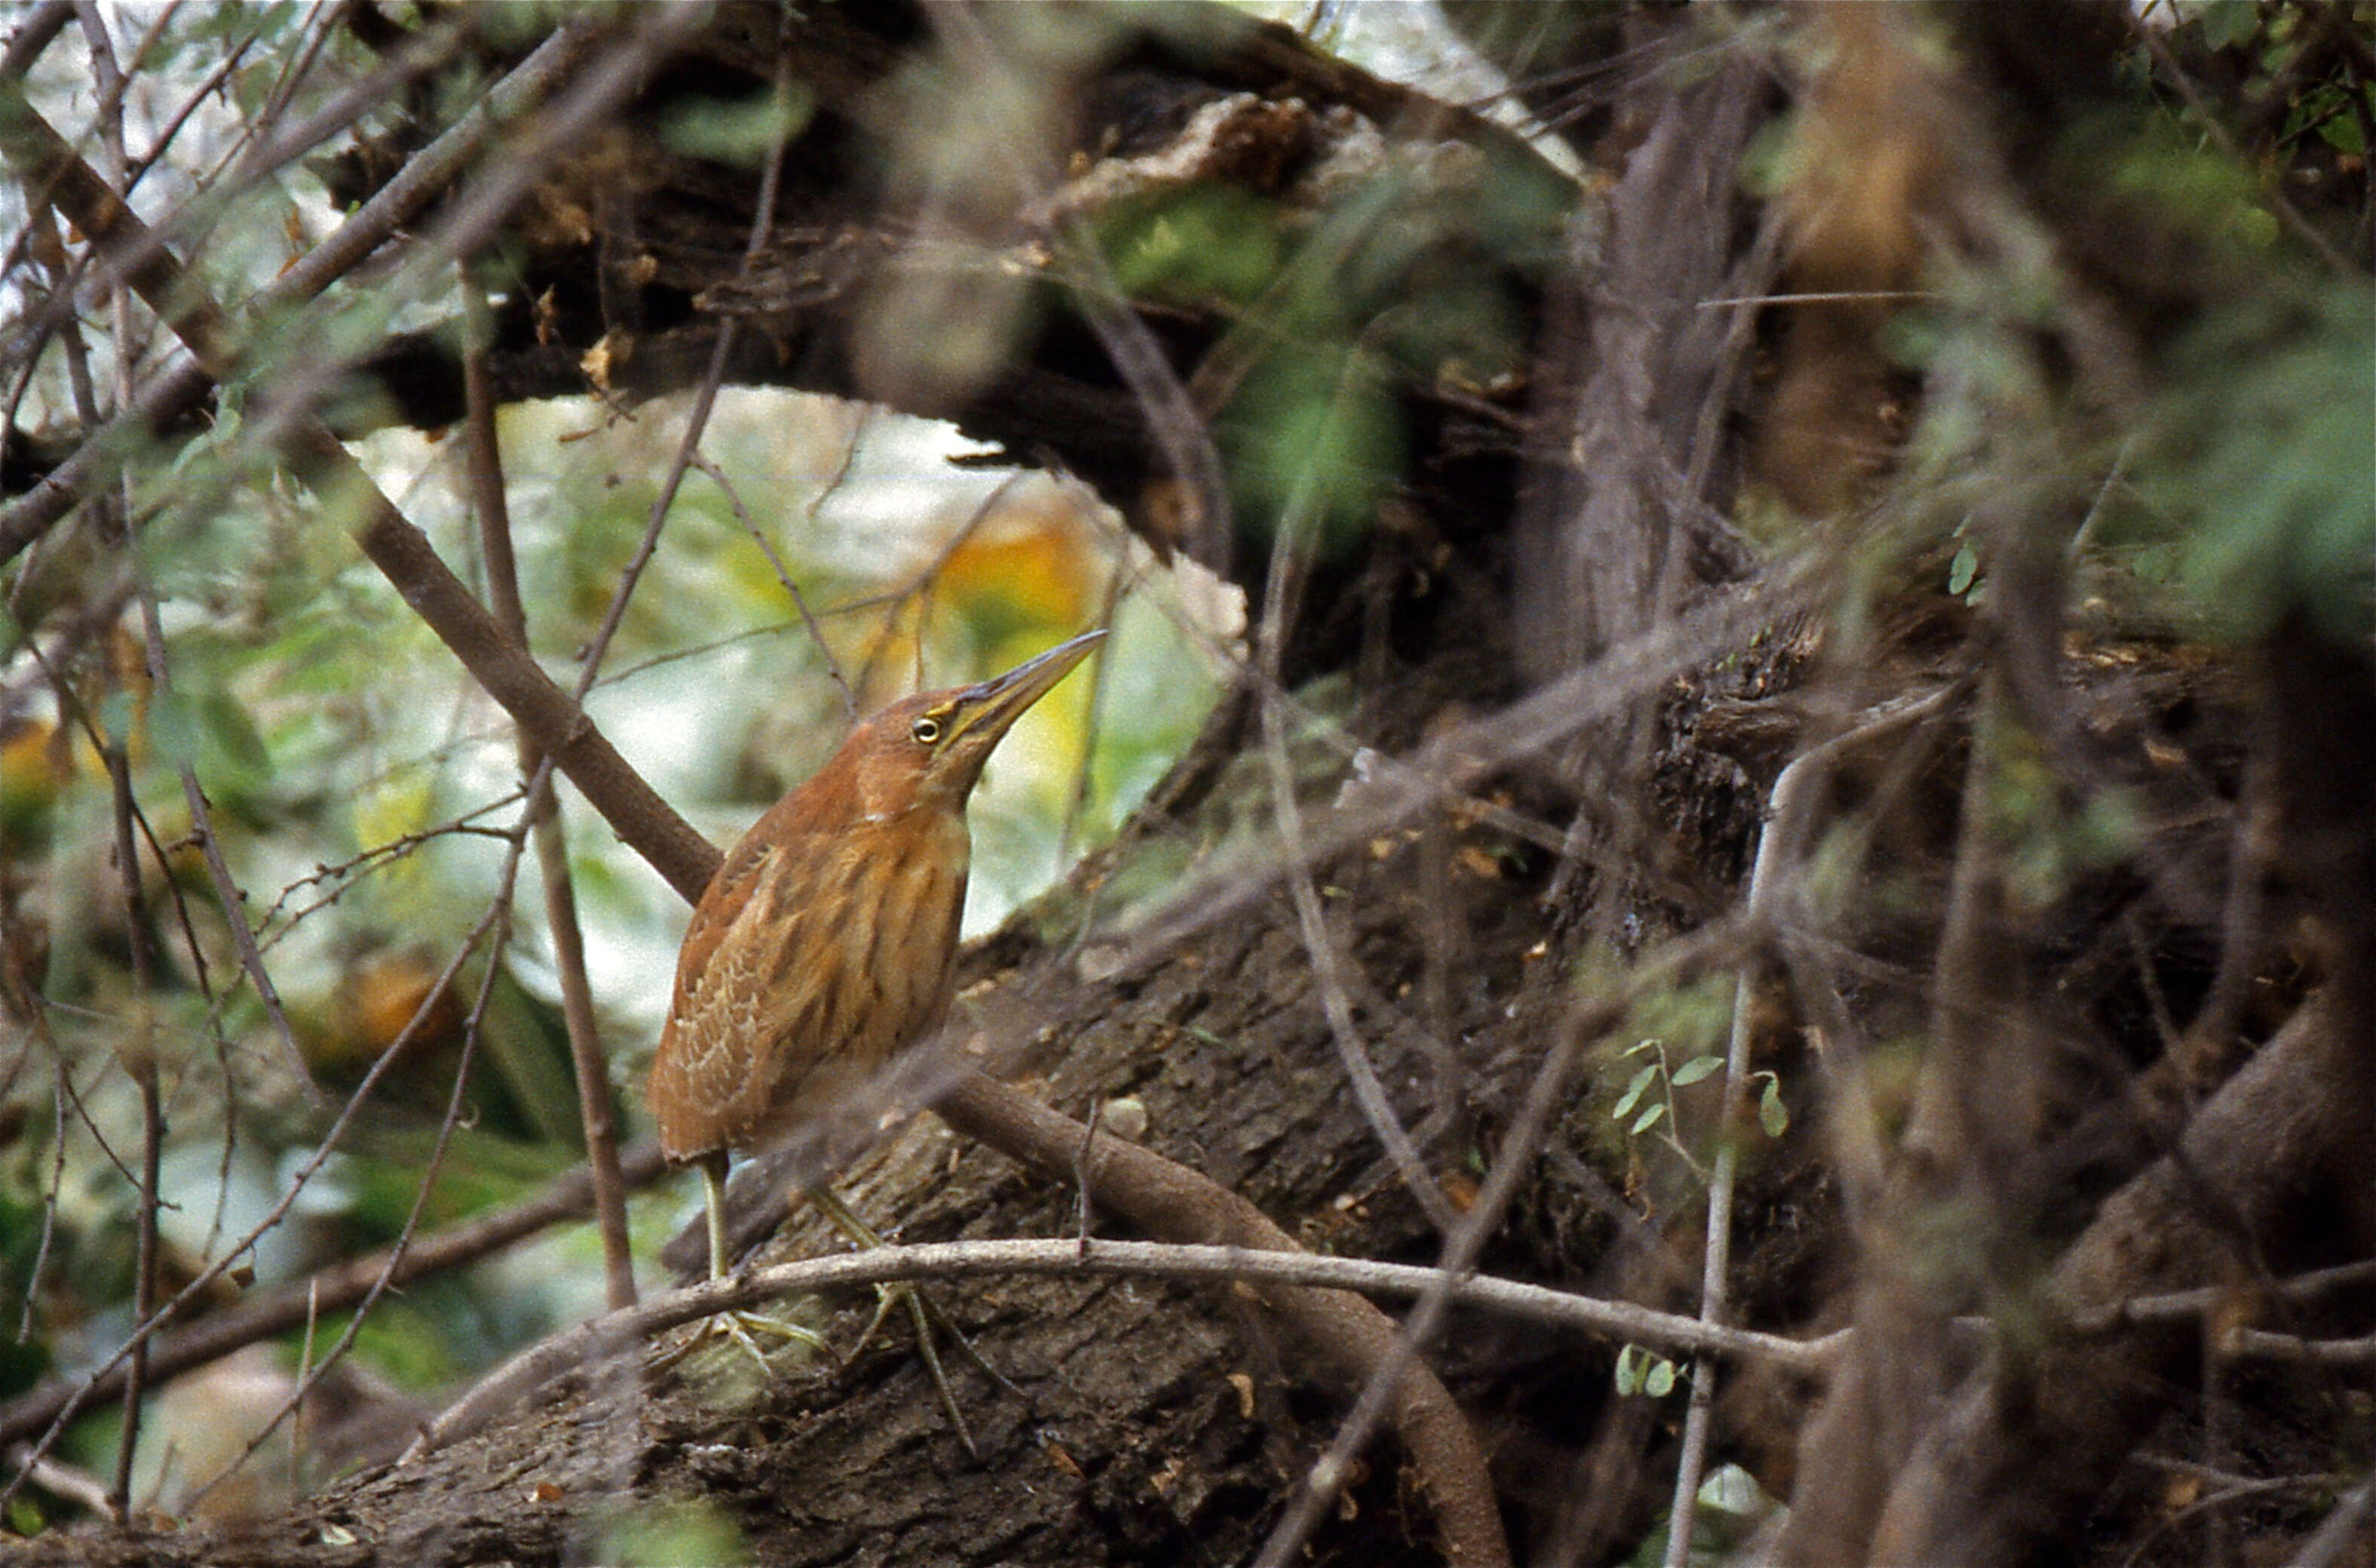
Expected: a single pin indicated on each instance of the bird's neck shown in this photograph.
(886, 800)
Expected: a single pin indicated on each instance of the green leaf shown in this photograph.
(1698, 1067)
(1633, 1095)
(739, 130)
(1771, 1115)
(1661, 1379)
(1649, 1119)
(2229, 23)
(2342, 133)
(1962, 569)
(175, 729)
(1194, 245)
(1629, 1370)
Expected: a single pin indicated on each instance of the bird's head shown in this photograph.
(931, 747)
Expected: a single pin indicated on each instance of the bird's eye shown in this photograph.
(926, 730)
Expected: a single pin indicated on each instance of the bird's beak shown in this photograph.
(985, 712)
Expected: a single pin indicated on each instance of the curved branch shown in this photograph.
(1353, 1337)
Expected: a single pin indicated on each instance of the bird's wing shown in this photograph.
(702, 1068)
(805, 970)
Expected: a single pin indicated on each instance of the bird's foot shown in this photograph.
(744, 1329)
(925, 1312)
(932, 1321)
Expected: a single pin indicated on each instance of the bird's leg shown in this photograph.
(922, 1308)
(713, 1194)
(736, 1325)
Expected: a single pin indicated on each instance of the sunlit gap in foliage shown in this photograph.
(917, 571)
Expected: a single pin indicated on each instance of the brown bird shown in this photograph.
(826, 943)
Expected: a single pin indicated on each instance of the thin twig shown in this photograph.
(401, 551)
(2217, 129)
(1084, 1209)
(137, 1055)
(97, 1383)
(67, 1481)
(590, 1062)
(966, 1260)
(1789, 827)
(132, 245)
(2341, 1529)
(1526, 1134)
(1458, 758)
(1292, 540)
(49, 1198)
(174, 392)
(496, 926)
(783, 576)
(1077, 800)
(697, 419)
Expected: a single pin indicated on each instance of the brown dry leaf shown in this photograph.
(1244, 1383)
(1477, 863)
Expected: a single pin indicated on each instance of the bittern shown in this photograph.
(825, 946)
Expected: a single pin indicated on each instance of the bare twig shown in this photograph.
(2356, 1350)
(696, 419)
(74, 1485)
(2341, 1529)
(49, 1195)
(172, 394)
(1290, 540)
(1525, 1134)
(399, 550)
(544, 822)
(783, 576)
(496, 927)
(1461, 756)
(503, 1388)
(1789, 809)
(82, 1391)
(2179, 1306)
(43, 23)
(138, 1056)
(1172, 417)
(1352, 1338)
(2205, 116)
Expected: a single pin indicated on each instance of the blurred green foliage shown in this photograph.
(687, 1535)
(1195, 247)
(2259, 470)
(1404, 277)
(738, 131)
